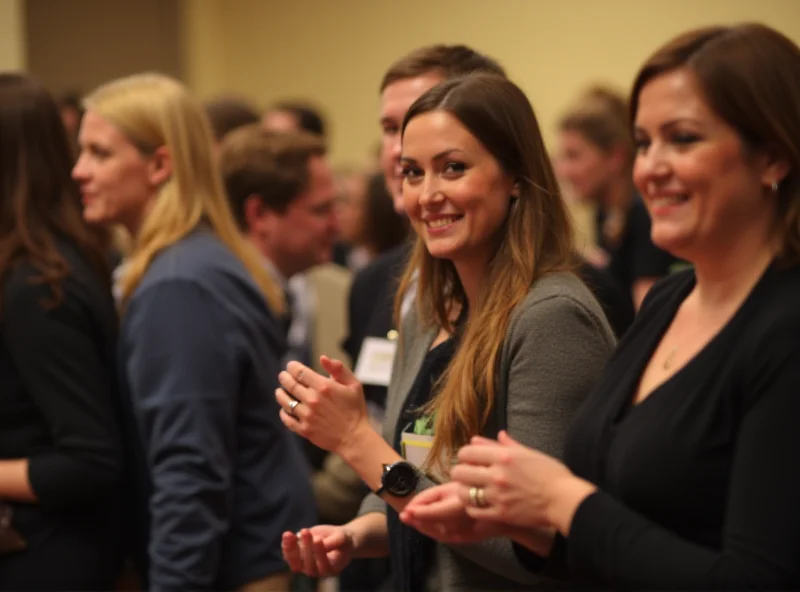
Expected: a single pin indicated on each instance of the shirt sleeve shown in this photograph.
(613, 544)
(183, 378)
(59, 360)
(557, 351)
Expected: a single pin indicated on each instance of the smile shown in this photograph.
(441, 222)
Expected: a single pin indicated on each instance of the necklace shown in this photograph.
(670, 358)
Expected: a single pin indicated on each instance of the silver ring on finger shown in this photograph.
(292, 406)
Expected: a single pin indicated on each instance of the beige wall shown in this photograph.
(12, 35)
(336, 51)
(75, 45)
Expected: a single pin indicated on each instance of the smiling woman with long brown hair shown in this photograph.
(497, 317)
(60, 459)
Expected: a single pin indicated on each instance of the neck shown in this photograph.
(268, 253)
(472, 275)
(728, 276)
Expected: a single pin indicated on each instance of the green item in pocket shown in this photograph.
(424, 426)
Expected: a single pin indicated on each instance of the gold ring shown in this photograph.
(480, 497)
(473, 496)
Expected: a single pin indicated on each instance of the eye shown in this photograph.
(390, 130)
(641, 144)
(454, 168)
(685, 139)
(411, 173)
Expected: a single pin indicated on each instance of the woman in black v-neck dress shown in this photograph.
(681, 469)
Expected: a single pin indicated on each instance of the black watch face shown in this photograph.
(401, 479)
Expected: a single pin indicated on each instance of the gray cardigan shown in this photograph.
(555, 348)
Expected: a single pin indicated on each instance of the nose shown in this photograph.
(651, 165)
(431, 191)
(79, 172)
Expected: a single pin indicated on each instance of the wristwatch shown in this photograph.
(399, 478)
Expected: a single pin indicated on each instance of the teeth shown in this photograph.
(439, 222)
(669, 201)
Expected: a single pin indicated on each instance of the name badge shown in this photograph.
(416, 448)
(374, 364)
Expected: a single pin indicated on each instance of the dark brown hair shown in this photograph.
(749, 76)
(450, 60)
(309, 118)
(229, 113)
(272, 165)
(39, 201)
(384, 228)
(601, 116)
(536, 240)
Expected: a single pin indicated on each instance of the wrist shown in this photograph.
(567, 494)
(355, 443)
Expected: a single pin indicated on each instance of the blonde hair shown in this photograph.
(536, 240)
(153, 110)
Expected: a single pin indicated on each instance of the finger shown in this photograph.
(480, 454)
(492, 513)
(444, 509)
(290, 422)
(291, 552)
(324, 567)
(427, 496)
(504, 439)
(307, 546)
(480, 440)
(471, 475)
(285, 402)
(338, 371)
(294, 388)
(305, 376)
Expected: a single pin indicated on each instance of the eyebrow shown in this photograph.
(438, 156)
(671, 123)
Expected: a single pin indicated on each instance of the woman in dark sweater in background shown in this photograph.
(59, 453)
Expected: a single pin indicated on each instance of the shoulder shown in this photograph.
(560, 293)
(775, 305)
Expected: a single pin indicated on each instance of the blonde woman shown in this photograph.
(503, 334)
(215, 477)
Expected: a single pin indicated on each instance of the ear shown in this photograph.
(159, 168)
(516, 190)
(257, 217)
(776, 169)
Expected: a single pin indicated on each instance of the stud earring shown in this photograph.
(775, 187)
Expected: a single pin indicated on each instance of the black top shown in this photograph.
(57, 383)
(411, 553)
(218, 477)
(617, 304)
(634, 256)
(371, 307)
(700, 482)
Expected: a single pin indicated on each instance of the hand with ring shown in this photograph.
(440, 513)
(330, 411)
(507, 482)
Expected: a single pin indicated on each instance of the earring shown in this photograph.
(775, 187)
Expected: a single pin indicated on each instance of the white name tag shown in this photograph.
(416, 448)
(374, 364)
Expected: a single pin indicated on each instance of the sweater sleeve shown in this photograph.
(60, 364)
(182, 373)
(611, 543)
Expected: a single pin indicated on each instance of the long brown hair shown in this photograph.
(535, 240)
(748, 74)
(39, 201)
